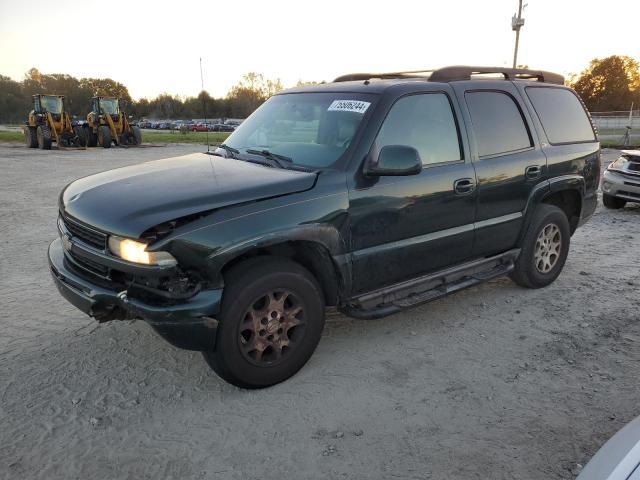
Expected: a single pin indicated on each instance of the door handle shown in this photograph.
(533, 171)
(464, 186)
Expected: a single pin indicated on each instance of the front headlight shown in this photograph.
(136, 252)
(618, 164)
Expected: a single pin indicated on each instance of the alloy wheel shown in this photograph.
(272, 327)
(547, 249)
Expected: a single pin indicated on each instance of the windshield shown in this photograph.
(312, 129)
(51, 104)
(109, 105)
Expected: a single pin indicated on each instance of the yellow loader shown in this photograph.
(107, 124)
(49, 122)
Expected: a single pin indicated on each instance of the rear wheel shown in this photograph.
(612, 202)
(81, 140)
(30, 137)
(271, 320)
(104, 136)
(544, 248)
(43, 134)
(137, 135)
(92, 138)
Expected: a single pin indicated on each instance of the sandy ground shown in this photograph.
(496, 382)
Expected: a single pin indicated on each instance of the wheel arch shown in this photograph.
(566, 192)
(318, 248)
(570, 202)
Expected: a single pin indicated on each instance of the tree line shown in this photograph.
(611, 83)
(247, 95)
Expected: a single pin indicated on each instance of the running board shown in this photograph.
(392, 299)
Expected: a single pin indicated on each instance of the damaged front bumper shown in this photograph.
(186, 324)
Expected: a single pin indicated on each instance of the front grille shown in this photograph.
(629, 194)
(633, 166)
(90, 265)
(85, 234)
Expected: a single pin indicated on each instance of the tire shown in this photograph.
(612, 202)
(137, 135)
(43, 134)
(292, 303)
(104, 136)
(31, 137)
(81, 140)
(92, 138)
(544, 248)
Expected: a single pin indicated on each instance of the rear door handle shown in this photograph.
(464, 186)
(533, 171)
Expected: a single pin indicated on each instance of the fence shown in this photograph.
(618, 120)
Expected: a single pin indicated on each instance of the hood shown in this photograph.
(128, 201)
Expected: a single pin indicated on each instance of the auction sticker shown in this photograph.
(356, 106)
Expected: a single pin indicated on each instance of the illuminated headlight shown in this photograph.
(136, 252)
(618, 164)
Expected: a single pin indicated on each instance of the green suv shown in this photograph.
(372, 194)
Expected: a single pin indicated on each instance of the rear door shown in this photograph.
(508, 160)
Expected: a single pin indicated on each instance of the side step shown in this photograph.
(394, 298)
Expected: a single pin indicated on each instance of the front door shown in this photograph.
(402, 227)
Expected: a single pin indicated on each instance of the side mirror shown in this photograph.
(395, 160)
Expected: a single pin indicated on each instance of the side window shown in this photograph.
(426, 123)
(497, 123)
(562, 115)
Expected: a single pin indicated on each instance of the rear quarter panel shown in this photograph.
(567, 162)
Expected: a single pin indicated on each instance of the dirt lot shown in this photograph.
(496, 382)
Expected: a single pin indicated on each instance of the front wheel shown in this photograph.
(270, 323)
(30, 137)
(612, 202)
(104, 136)
(544, 249)
(43, 134)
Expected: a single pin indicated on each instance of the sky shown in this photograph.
(154, 47)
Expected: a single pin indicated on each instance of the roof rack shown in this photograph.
(461, 72)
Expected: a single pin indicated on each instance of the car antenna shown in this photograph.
(204, 105)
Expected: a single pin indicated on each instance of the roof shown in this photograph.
(378, 82)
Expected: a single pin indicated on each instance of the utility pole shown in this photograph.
(516, 25)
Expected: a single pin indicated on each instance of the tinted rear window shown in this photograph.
(563, 118)
(497, 123)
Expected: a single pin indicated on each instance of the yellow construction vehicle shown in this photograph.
(107, 123)
(49, 122)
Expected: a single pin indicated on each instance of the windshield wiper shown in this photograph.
(232, 152)
(277, 158)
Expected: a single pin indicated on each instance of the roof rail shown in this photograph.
(461, 72)
(464, 72)
(367, 76)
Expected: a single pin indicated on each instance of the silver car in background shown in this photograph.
(619, 458)
(621, 182)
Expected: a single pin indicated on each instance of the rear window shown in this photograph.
(562, 115)
(497, 123)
